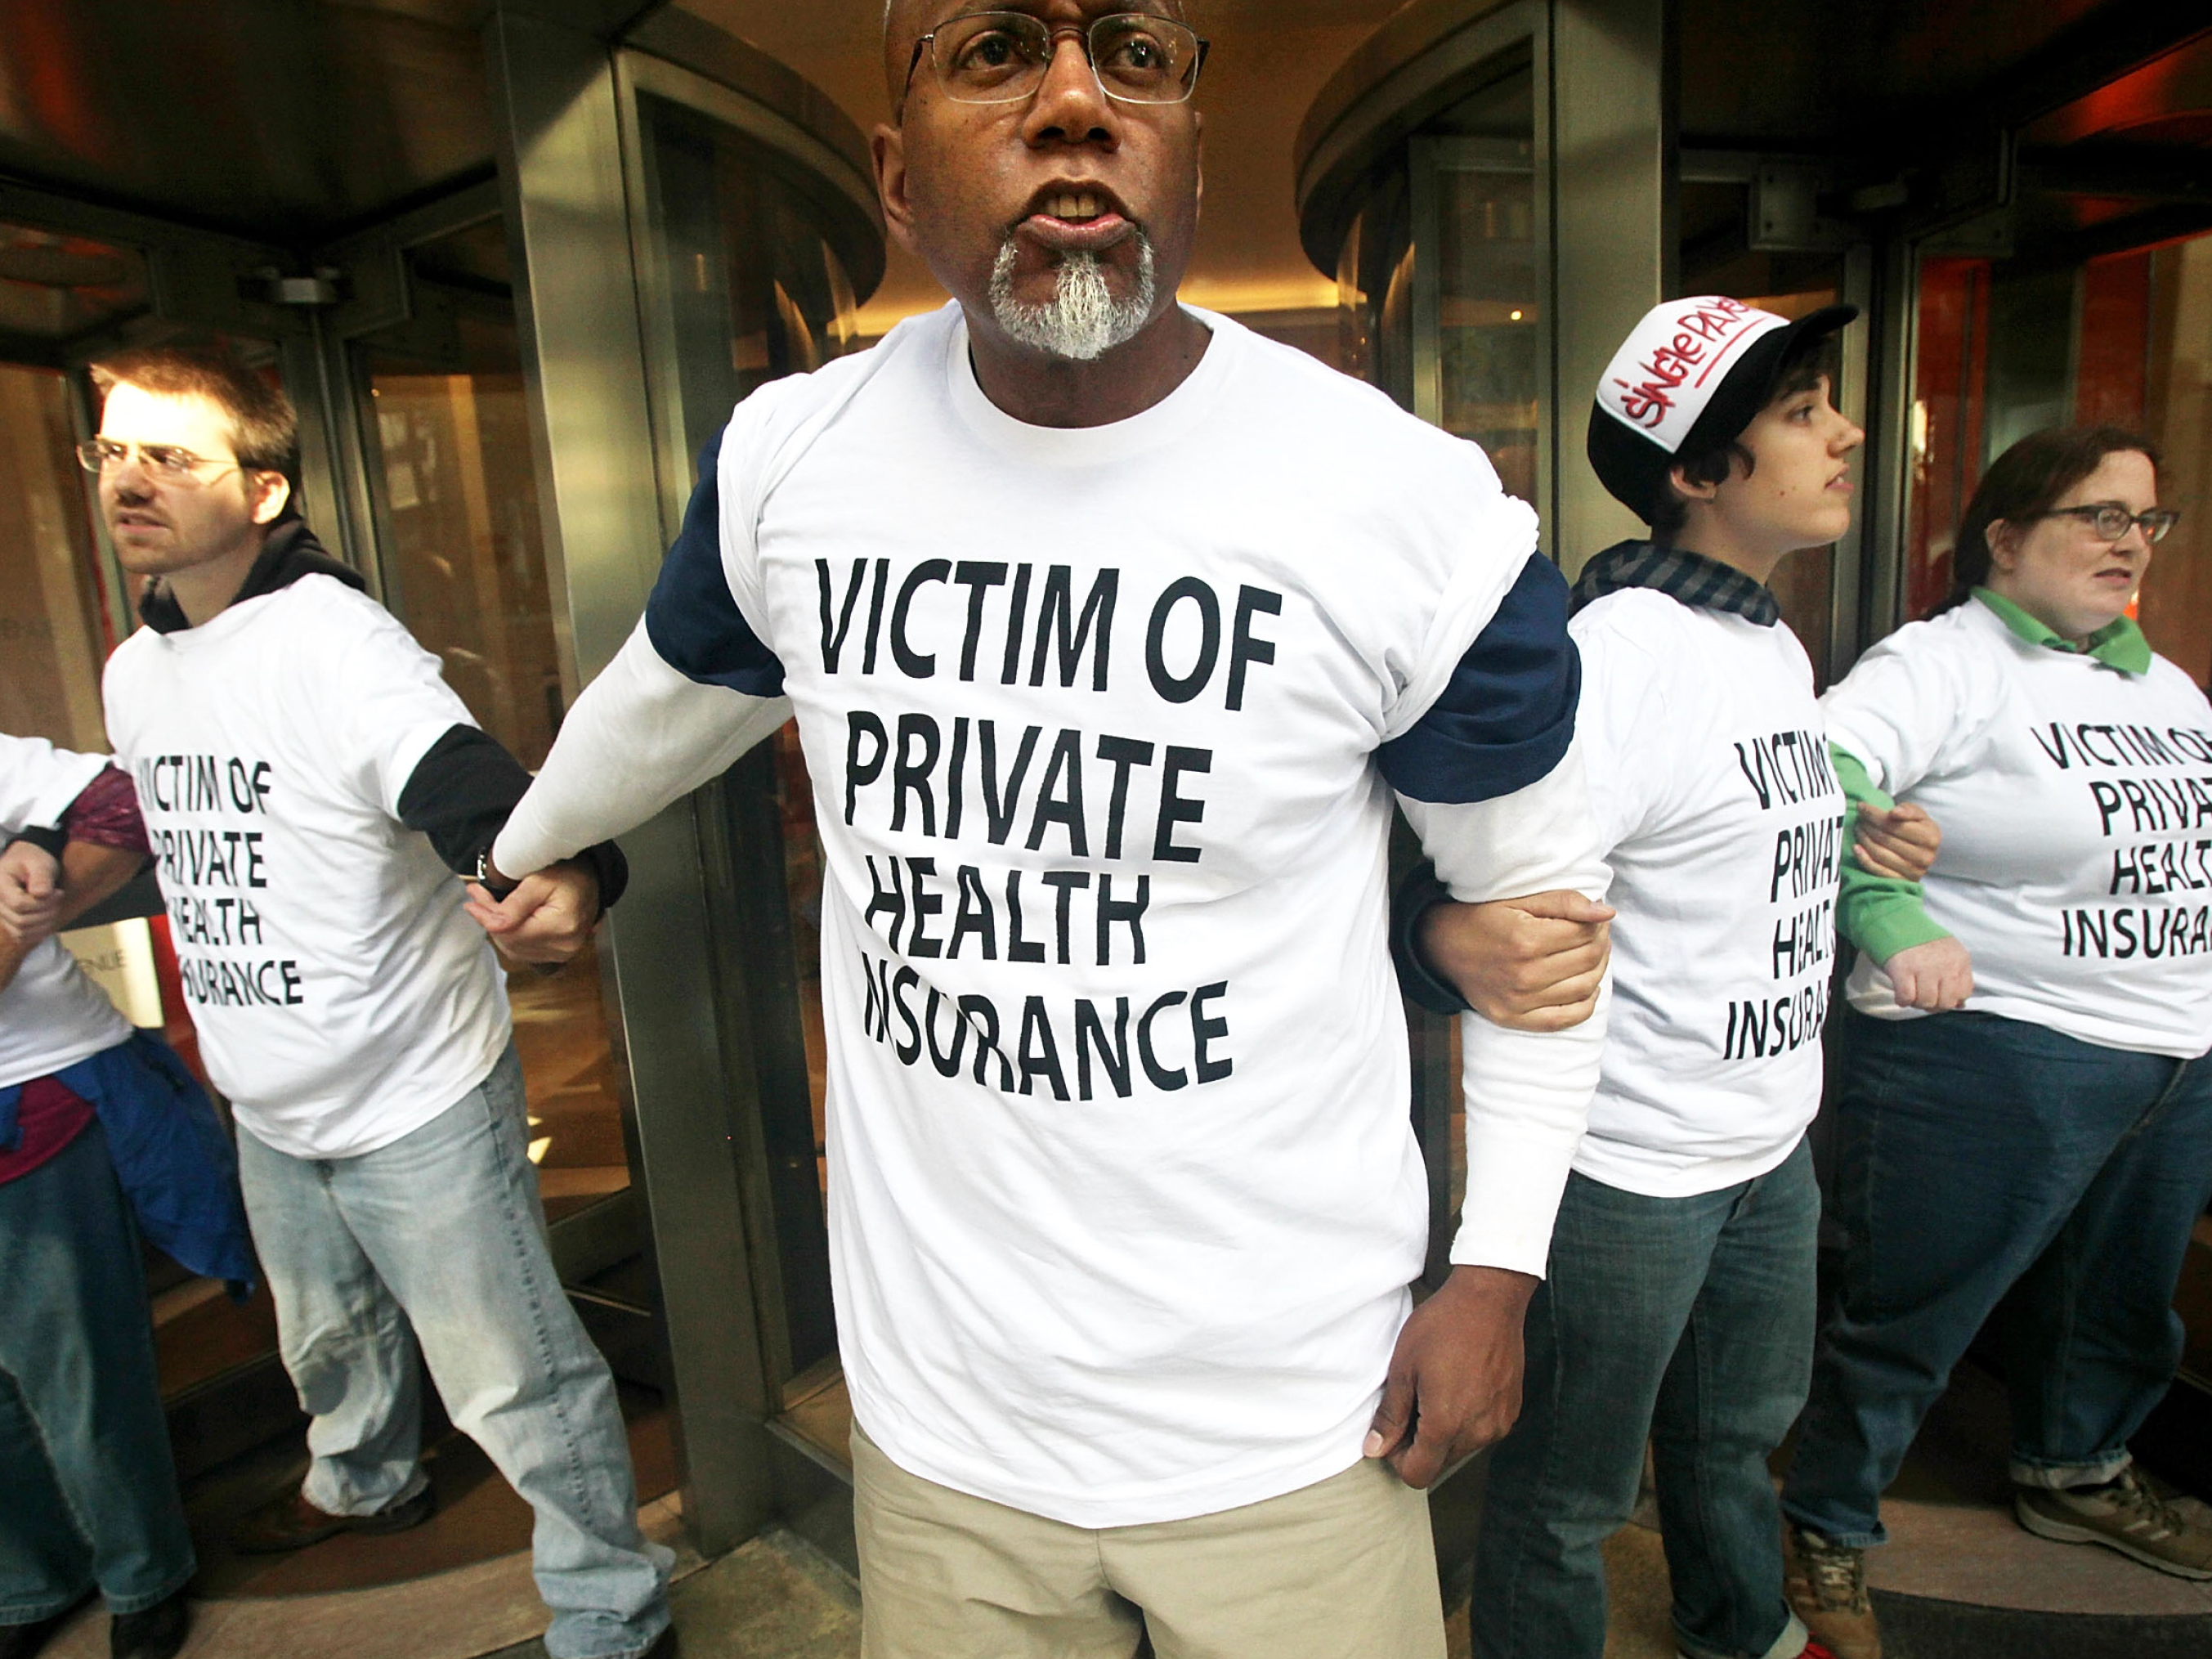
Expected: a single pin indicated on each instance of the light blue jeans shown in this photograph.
(439, 1238)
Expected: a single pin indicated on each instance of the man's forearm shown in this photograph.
(92, 872)
(1528, 1093)
(641, 736)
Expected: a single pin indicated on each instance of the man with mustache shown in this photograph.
(1110, 629)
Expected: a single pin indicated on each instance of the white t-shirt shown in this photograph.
(51, 1015)
(2076, 806)
(1123, 1195)
(341, 996)
(1709, 768)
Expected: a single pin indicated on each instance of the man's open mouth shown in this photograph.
(1075, 218)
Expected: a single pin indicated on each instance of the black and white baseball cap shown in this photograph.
(1690, 377)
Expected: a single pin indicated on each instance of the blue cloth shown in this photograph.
(88, 1489)
(1978, 1158)
(693, 622)
(1688, 1321)
(1506, 716)
(171, 1154)
(439, 1238)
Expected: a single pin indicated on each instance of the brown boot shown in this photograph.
(1824, 1583)
(290, 1522)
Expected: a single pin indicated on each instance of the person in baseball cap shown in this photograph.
(1678, 1304)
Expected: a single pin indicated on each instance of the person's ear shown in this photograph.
(1198, 127)
(2002, 540)
(266, 495)
(888, 146)
(1689, 489)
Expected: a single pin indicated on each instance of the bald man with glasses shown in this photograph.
(1111, 629)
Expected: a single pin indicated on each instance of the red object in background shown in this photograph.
(2112, 361)
(1951, 366)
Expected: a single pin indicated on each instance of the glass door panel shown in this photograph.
(464, 566)
(743, 286)
(2176, 414)
(2122, 340)
(52, 609)
(1440, 280)
(1485, 382)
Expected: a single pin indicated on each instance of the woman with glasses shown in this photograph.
(2026, 1107)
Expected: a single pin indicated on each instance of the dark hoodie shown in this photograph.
(464, 787)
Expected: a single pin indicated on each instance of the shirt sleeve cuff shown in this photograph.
(1514, 1185)
(1884, 922)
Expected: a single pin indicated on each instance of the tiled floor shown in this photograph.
(480, 1517)
(486, 1608)
(1953, 1537)
(777, 1598)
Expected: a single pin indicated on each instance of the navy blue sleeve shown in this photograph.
(1507, 716)
(694, 623)
(1419, 893)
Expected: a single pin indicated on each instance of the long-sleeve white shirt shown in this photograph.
(51, 1014)
(2074, 798)
(1103, 726)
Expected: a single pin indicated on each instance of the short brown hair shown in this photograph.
(1810, 358)
(2025, 483)
(264, 430)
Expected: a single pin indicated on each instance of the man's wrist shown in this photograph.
(1505, 1285)
(1418, 978)
(49, 840)
(489, 878)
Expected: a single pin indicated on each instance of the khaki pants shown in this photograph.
(1344, 1569)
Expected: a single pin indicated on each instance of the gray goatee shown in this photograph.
(1082, 319)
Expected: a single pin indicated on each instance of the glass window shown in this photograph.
(1438, 285)
(2177, 413)
(1488, 365)
(464, 566)
(1945, 439)
(2120, 339)
(52, 604)
(745, 288)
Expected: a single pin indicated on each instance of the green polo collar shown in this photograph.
(2116, 645)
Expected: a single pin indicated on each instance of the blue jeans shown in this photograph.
(88, 1489)
(1687, 1321)
(440, 1237)
(1977, 1156)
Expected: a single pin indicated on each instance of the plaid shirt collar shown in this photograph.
(1690, 578)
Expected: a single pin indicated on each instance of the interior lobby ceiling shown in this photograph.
(1268, 60)
(296, 121)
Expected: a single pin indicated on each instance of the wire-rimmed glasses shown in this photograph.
(1002, 57)
(170, 463)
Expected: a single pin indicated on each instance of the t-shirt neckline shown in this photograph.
(1171, 418)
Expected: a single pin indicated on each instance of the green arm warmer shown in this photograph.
(1879, 913)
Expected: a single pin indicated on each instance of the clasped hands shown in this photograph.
(545, 917)
(30, 903)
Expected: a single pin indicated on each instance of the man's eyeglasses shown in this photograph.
(2112, 521)
(167, 462)
(1002, 57)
